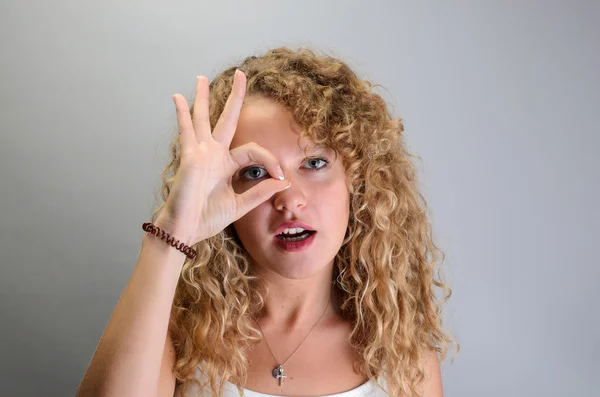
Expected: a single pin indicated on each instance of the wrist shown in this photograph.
(166, 234)
(178, 232)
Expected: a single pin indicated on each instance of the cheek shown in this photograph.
(246, 226)
(334, 203)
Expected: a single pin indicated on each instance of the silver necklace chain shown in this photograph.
(278, 371)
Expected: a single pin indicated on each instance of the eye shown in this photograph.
(253, 173)
(318, 159)
(256, 172)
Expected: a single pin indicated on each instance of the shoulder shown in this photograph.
(432, 384)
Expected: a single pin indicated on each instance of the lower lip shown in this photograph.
(295, 246)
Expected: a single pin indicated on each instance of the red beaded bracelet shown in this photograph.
(187, 250)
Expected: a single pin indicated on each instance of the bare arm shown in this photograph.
(432, 385)
(166, 380)
(433, 376)
(127, 361)
(135, 356)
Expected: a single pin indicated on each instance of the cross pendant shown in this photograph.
(281, 379)
(278, 374)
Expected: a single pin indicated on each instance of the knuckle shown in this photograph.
(255, 146)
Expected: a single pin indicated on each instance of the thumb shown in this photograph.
(258, 194)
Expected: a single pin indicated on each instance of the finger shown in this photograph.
(227, 124)
(253, 153)
(200, 113)
(257, 195)
(184, 122)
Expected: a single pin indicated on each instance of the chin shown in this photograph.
(294, 270)
(299, 273)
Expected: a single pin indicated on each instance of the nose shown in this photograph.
(292, 198)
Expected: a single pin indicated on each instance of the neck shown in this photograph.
(293, 305)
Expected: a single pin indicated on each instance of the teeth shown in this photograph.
(299, 238)
(293, 230)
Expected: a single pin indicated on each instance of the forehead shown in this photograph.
(270, 125)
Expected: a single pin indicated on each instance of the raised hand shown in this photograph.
(202, 201)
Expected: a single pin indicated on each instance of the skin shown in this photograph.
(299, 282)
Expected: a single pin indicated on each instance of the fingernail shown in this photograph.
(280, 172)
(287, 186)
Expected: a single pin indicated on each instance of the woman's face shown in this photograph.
(318, 195)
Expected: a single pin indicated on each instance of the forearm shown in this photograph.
(128, 358)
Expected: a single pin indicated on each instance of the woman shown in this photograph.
(314, 272)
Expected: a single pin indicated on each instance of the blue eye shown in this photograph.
(254, 173)
(319, 159)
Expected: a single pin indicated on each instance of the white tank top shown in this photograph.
(367, 389)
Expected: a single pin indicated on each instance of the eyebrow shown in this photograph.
(313, 148)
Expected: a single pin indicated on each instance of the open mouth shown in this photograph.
(295, 237)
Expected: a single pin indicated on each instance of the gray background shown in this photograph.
(500, 99)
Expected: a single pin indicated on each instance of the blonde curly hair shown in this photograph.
(384, 270)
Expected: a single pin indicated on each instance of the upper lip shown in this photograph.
(292, 224)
